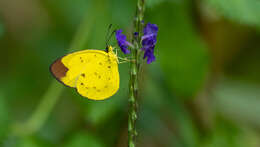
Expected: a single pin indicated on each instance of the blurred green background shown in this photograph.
(202, 91)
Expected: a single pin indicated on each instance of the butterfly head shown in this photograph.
(109, 49)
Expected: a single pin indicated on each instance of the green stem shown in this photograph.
(52, 95)
(134, 70)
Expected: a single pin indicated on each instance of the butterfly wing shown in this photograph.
(93, 72)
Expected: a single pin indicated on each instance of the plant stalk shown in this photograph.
(134, 70)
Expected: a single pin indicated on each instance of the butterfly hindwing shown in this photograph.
(94, 73)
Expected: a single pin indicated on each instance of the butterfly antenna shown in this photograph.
(107, 35)
(109, 38)
(112, 33)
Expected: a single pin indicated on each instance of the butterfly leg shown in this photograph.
(122, 62)
(116, 51)
(125, 60)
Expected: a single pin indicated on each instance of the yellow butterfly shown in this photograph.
(94, 73)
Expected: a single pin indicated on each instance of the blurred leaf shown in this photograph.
(242, 11)
(65, 13)
(99, 112)
(180, 50)
(152, 3)
(164, 106)
(4, 119)
(122, 12)
(245, 64)
(84, 140)
(226, 134)
(29, 142)
(1, 30)
(250, 138)
(152, 128)
(238, 101)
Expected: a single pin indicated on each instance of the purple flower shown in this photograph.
(150, 55)
(136, 34)
(150, 29)
(149, 40)
(122, 43)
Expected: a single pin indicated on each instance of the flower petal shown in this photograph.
(149, 54)
(148, 41)
(122, 43)
(150, 29)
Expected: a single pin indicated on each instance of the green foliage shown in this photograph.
(239, 101)
(84, 139)
(224, 110)
(181, 52)
(242, 11)
(4, 117)
(158, 101)
(1, 29)
(29, 142)
(152, 3)
(225, 134)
